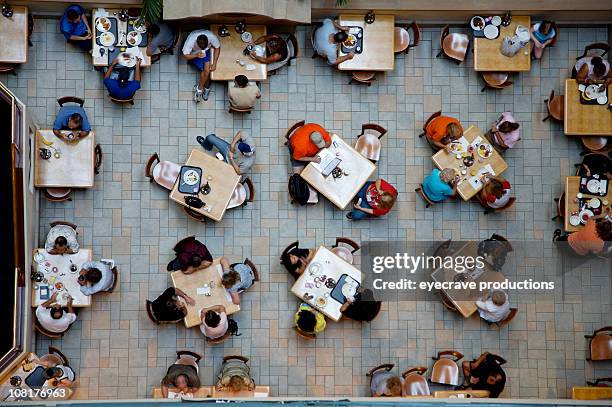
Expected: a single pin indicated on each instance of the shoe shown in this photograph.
(206, 93)
(556, 234)
(197, 94)
(202, 141)
(349, 215)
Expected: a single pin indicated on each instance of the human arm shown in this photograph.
(50, 301)
(164, 390)
(69, 305)
(110, 69)
(582, 74)
(137, 73)
(500, 140)
(534, 39)
(339, 26)
(235, 298)
(343, 58)
(358, 206)
(215, 308)
(84, 18)
(315, 159)
(181, 293)
(217, 52)
(265, 38)
(265, 60)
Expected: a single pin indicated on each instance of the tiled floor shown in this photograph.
(119, 353)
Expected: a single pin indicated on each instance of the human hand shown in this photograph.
(138, 61)
(351, 55)
(213, 67)
(70, 299)
(316, 159)
(54, 295)
(189, 301)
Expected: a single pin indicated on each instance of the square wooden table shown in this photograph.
(231, 51)
(203, 392)
(464, 301)
(257, 392)
(63, 275)
(333, 267)
(189, 284)
(74, 168)
(14, 37)
(222, 184)
(378, 53)
(572, 185)
(340, 191)
(585, 120)
(488, 56)
(442, 159)
(122, 27)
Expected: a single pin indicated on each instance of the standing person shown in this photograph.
(235, 375)
(306, 142)
(72, 118)
(485, 373)
(328, 38)
(75, 27)
(96, 276)
(542, 34)
(504, 132)
(441, 130)
(214, 322)
(52, 316)
(494, 307)
(376, 198)
(196, 51)
(163, 38)
(242, 94)
(119, 84)
(240, 153)
(440, 185)
(236, 278)
(191, 256)
(383, 383)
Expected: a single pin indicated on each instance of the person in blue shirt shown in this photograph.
(119, 85)
(542, 34)
(75, 27)
(72, 118)
(440, 185)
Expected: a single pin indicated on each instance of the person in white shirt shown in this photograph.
(494, 307)
(96, 276)
(328, 38)
(196, 51)
(52, 316)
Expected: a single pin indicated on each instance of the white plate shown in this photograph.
(351, 42)
(191, 177)
(133, 38)
(39, 257)
(250, 67)
(602, 100)
(523, 33)
(348, 290)
(594, 186)
(314, 269)
(496, 20)
(574, 220)
(102, 22)
(473, 23)
(321, 302)
(127, 60)
(486, 151)
(107, 39)
(594, 203)
(585, 213)
(491, 32)
(247, 37)
(140, 28)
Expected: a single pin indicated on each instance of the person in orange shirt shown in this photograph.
(306, 142)
(442, 130)
(591, 239)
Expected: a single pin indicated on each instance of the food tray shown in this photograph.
(336, 293)
(585, 101)
(144, 35)
(358, 48)
(113, 30)
(583, 186)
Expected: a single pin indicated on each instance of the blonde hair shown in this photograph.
(394, 384)
(454, 131)
(498, 297)
(236, 383)
(387, 200)
(447, 175)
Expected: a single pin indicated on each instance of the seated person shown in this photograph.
(235, 376)
(163, 38)
(214, 322)
(168, 307)
(309, 320)
(591, 239)
(442, 130)
(191, 256)
(494, 307)
(243, 94)
(504, 132)
(62, 239)
(75, 27)
(376, 198)
(276, 49)
(593, 69)
(596, 163)
(327, 40)
(385, 384)
(196, 50)
(485, 373)
(119, 84)
(362, 307)
(296, 260)
(236, 278)
(52, 316)
(72, 118)
(440, 185)
(240, 153)
(96, 276)
(306, 142)
(495, 193)
(61, 375)
(182, 376)
(542, 34)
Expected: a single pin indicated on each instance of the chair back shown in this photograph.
(443, 34)
(386, 367)
(122, 101)
(421, 192)
(253, 267)
(98, 158)
(553, 41)
(294, 49)
(250, 188)
(149, 166)
(291, 246)
(447, 303)
(510, 317)
(57, 194)
(70, 99)
(445, 369)
(416, 35)
(601, 46)
(236, 357)
(233, 109)
(600, 345)
(57, 353)
(8, 68)
(115, 279)
(219, 340)
(292, 129)
(375, 128)
(43, 331)
(149, 308)
(496, 80)
(63, 222)
(353, 244)
(188, 353)
(194, 214)
(366, 77)
(303, 334)
(415, 383)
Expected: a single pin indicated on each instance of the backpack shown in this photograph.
(232, 327)
(298, 189)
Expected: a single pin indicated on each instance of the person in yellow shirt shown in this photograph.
(309, 320)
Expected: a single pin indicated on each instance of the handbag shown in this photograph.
(510, 46)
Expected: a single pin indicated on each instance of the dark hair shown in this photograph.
(340, 36)
(543, 24)
(77, 118)
(124, 76)
(496, 389)
(61, 241)
(153, 29)
(212, 319)
(56, 312)
(286, 259)
(241, 80)
(599, 68)
(93, 275)
(496, 188)
(52, 372)
(507, 127)
(306, 321)
(202, 41)
(72, 14)
(278, 45)
(604, 229)
(195, 260)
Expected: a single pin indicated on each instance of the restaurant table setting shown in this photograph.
(53, 273)
(327, 282)
(14, 34)
(586, 111)
(117, 33)
(236, 46)
(594, 94)
(371, 38)
(586, 197)
(501, 43)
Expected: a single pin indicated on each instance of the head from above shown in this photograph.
(245, 149)
(496, 187)
(60, 245)
(599, 67)
(292, 260)
(604, 229)
(73, 16)
(386, 200)
(394, 384)
(447, 175)
(124, 77)
(181, 382)
(56, 311)
(545, 27)
(195, 261)
(153, 29)
(306, 321)
(202, 41)
(92, 275)
(496, 382)
(241, 81)
(236, 383)
(52, 372)
(317, 139)
(173, 304)
(230, 278)
(75, 121)
(507, 127)
(498, 297)
(340, 37)
(454, 131)
(212, 319)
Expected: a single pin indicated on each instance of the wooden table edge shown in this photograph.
(566, 224)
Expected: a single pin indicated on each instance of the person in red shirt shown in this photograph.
(306, 142)
(375, 199)
(442, 130)
(191, 255)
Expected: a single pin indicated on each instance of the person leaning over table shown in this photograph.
(183, 376)
(504, 132)
(328, 38)
(243, 94)
(61, 239)
(236, 278)
(440, 185)
(63, 374)
(163, 38)
(296, 260)
(309, 320)
(214, 322)
(306, 142)
(591, 239)
(442, 130)
(119, 84)
(96, 276)
(376, 198)
(276, 49)
(542, 34)
(596, 163)
(75, 27)
(196, 50)
(494, 307)
(495, 193)
(235, 376)
(240, 153)
(385, 384)
(168, 307)
(72, 118)
(362, 307)
(191, 256)
(593, 69)
(484, 373)
(52, 316)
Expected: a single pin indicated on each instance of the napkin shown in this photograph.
(475, 180)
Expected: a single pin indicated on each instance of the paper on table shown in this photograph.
(476, 141)
(203, 290)
(475, 180)
(260, 394)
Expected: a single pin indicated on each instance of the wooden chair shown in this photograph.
(598, 381)
(65, 223)
(303, 334)
(553, 42)
(601, 46)
(292, 129)
(506, 321)
(149, 308)
(555, 106)
(294, 48)
(496, 80)
(9, 68)
(414, 382)
(98, 158)
(242, 195)
(194, 214)
(57, 194)
(70, 99)
(219, 340)
(122, 101)
(312, 36)
(594, 143)
(446, 302)
(488, 209)
(115, 280)
(181, 353)
(233, 109)
(429, 119)
(428, 202)
(236, 357)
(164, 173)
(453, 46)
(43, 331)
(560, 203)
(445, 369)
(402, 38)
(253, 267)
(385, 367)
(368, 142)
(344, 252)
(365, 77)
(55, 357)
(600, 344)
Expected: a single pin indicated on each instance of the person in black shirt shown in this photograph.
(485, 373)
(596, 163)
(168, 307)
(363, 307)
